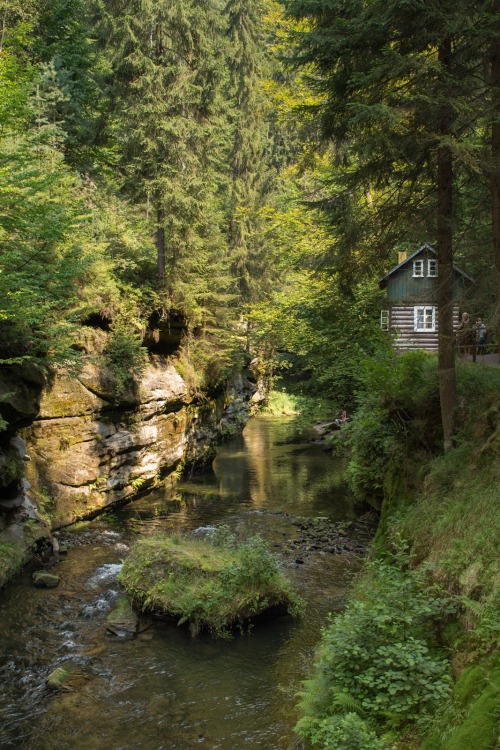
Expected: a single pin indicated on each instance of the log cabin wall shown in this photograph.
(402, 324)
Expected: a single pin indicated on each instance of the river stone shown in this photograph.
(44, 580)
(60, 676)
(122, 621)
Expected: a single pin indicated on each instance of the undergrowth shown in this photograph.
(383, 673)
(284, 401)
(379, 660)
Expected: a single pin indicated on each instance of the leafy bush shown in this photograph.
(378, 658)
(348, 732)
(398, 412)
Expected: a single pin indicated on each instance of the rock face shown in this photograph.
(89, 452)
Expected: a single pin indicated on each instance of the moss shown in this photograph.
(480, 728)
(211, 585)
(11, 560)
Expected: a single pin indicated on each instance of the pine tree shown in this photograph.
(395, 83)
(251, 178)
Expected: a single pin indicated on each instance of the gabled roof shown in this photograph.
(383, 281)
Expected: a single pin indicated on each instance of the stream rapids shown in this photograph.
(164, 690)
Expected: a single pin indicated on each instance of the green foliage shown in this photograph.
(284, 400)
(472, 716)
(213, 583)
(397, 415)
(340, 732)
(11, 560)
(454, 527)
(125, 357)
(379, 658)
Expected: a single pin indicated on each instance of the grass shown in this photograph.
(308, 409)
(471, 719)
(454, 528)
(210, 584)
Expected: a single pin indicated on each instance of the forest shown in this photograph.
(248, 171)
(228, 180)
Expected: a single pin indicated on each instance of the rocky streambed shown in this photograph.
(161, 688)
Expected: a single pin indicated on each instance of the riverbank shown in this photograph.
(413, 661)
(75, 443)
(162, 685)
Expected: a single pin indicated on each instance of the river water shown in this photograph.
(164, 690)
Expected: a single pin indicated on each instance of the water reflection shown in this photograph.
(163, 689)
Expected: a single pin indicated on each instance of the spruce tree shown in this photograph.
(168, 67)
(251, 177)
(395, 85)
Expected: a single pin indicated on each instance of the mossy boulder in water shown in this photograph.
(59, 677)
(44, 580)
(211, 583)
(122, 621)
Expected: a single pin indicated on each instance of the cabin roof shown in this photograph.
(383, 281)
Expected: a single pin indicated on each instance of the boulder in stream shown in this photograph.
(58, 678)
(122, 620)
(211, 584)
(44, 580)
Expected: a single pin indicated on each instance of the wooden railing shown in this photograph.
(475, 350)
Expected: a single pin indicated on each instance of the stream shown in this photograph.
(164, 690)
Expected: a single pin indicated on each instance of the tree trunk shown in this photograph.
(446, 353)
(160, 246)
(495, 154)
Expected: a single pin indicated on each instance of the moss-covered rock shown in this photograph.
(59, 677)
(208, 584)
(122, 620)
(42, 579)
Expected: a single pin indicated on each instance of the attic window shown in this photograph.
(418, 268)
(425, 319)
(432, 267)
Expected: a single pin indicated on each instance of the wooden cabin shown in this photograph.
(411, 312)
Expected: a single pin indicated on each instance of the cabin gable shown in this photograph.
(416, 279)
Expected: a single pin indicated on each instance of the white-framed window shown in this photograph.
(384, 320)
(432, 267)
(418, 268)
(425, 319)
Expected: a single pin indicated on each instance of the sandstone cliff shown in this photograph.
(85, 451)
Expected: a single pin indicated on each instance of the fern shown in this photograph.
(345, 703)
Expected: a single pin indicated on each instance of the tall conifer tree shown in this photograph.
(395, 101)
(250, 179)
(168, 67)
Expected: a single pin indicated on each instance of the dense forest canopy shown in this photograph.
(248, 168)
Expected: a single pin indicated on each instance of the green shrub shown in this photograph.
(348, 732)
(125, 357)
(397, 414)
(379, 658)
